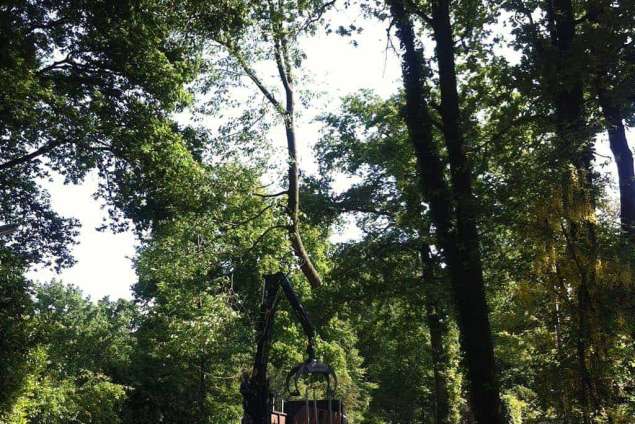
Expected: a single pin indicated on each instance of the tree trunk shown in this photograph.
(470, 289)
(436, 317)
(575, 145)
(461, 250)
(624, 161)
(563, 395)
(202, 370)
(287, 112)
(607, 60)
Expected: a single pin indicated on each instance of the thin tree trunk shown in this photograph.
(436, 317)
(562, 391)
(202, 382)
(624, 161)
(575, 144)
(462, 252)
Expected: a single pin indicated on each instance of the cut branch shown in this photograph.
(283, 64)
(306, 265)
(293, 202)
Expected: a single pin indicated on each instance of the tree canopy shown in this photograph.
(461, 246)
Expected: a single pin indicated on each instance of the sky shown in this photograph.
(103, 266)
(335, 68)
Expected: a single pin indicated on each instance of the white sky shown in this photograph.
(336, 68)
(103, 265)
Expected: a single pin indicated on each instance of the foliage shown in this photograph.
(15, 331)
(96, 86)
(73, 353)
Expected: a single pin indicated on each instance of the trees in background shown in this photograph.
(491, 281)
(560, 42)
(608, 29)
(16, 306)
(75, 356)
(450, 197)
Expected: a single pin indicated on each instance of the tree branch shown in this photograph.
(253, 77)
(262, 236)
(66, 60)
(252, 218)
(282, 193)
(26, 158)
(420, 13)
(314, 18)
(283, 71)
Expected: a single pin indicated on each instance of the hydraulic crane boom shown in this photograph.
(255, 387)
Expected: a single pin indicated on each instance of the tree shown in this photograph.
(15, 331)
(90, 85)
(484, 222)
(607, 28)
(553, 47)
(76, 355)
(367, 139)
(460, 244)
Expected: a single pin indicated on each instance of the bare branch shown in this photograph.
(284, 72)
(306, 265)
(253, 77)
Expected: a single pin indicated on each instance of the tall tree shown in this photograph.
(90, 86)
(460, 242)
(608, 28)
(367, 139)
(555, 54)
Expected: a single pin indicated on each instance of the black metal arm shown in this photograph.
(255, 387)
(300, 313)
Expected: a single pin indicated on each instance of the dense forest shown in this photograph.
(462, 246)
